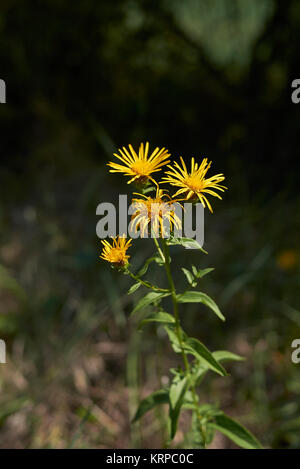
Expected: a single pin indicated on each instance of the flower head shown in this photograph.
(156, 212)
(115, 253)
(140, 166)
(194, 184)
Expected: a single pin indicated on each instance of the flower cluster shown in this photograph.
(193, 186)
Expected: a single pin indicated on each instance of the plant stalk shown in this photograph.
(146, 284)
(178, 328)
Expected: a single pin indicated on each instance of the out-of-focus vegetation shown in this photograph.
(204, 79)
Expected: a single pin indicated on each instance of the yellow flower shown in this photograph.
(156, 212)
(193, 184)
(140, 166)
(115, 253)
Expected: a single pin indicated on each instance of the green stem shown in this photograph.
(175, 305)
(159, 249)
(178, 328)
(146, 284)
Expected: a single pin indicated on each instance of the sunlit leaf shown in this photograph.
(201, 272)
(196, 348)
(188, 243)
(199, 297)
(134, 288)
(221, 355)
(236, 432)
(188, 274)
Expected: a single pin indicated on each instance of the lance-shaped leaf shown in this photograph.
(196, 348)
(134, 288)
(236, 432)
(176, 395)
(155, 258)
(174, 338)
(159, 316)
(149, 298)
(199, 273)
(199, 297)
(188, 243)
(154, 399)
(221, 355)
(189, 275)
(196, 274)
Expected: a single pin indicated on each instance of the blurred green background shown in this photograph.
(203, 78)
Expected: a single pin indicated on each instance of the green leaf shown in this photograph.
(174, 339)
(173, 241)
(176, 391)
(198, 440)
(188, 243)
(149, 189)
(236, 432)
(157, 258)
(176, 395)
(199, 297)
(151, 297)
(201, 272)
(160, 316)
(221, 355)
(189, 275)
(143, 270)
(191, 243)
(200, 370)
(209, 435)
(154, 399)
(196, 348)
(134, 288)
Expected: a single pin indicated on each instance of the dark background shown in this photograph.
(203, 79)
